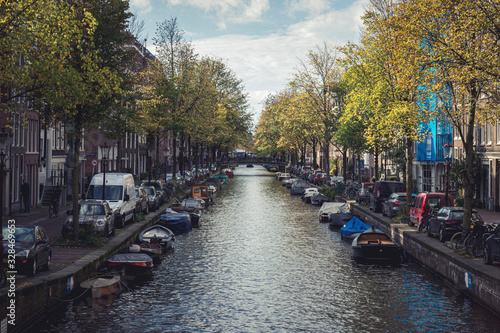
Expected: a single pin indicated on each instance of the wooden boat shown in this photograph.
(131, 264)
(202, 191)
(375, 247)
(336, 213)
(178, 222)
(157, 234)
(353, 228)
(103, 285)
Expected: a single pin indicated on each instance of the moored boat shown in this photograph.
(375, 247)
(103, 285)
(131, 264)
(336, 213)
(157, 234)
(309, 193)
(177, 222)
(353, 228)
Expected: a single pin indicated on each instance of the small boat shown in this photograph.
(353, 228)
(192, 206)
(103, 285)
(178, 222)
(336, 213)
(223, 177)
(249, 165)
(216, 182)
(319, 199)
(375, 247)
(157, 234)
(131, 264)
(202, 191)
(228, 172)
(298, 187)
(309, 193)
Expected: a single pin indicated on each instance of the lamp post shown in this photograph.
(105, 153)
(4, 136)
(446, 150)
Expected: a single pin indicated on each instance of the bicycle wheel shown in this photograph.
(424, 226)
(478, 248)
(457, 241)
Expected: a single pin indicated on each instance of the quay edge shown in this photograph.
(469, 275)
(38, 295)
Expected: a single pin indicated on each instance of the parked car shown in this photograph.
(319, 179)
(95, 216)
(392, 206)
(142, 200)
(363, 195)
(31, 246)
(492, 247)
(448, 221)
(153, 198)
(160, 187)
(381, 192)
(425, 204)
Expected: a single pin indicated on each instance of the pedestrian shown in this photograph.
(25, 191)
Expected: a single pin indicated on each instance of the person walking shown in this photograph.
(25, 191)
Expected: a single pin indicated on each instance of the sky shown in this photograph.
(261, 41)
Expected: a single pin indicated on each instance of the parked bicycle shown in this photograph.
(464, 240)
(474, 244)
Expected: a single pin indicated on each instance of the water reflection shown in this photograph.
(261, 262)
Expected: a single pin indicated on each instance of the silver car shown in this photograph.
(95, 216)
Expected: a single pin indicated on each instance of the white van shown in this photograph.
(120, 194)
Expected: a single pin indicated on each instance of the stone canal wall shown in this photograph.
(470, 275)
(28, 300)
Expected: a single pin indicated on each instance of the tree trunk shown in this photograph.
(409, 174)
(469, 159)
(174, 154)
(76, 173)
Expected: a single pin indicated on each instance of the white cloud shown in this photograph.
(229, 11)
(144, 6)
(313, 7)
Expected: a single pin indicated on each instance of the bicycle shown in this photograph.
(474, 244)
(457, 241)
(54, 208)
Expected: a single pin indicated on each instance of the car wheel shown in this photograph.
(384, 213)
(429, 234)
(46, 266)
(31, 269)
(488, 260)
(441, 234)
(132, 220)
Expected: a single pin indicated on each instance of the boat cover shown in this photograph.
(334, 208)
(130, 258)
(320, 198)
(338, 213)
(354, 226)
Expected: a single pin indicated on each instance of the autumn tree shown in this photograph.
(319, 76)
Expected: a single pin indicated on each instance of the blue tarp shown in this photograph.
(354, 226)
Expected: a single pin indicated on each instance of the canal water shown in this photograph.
(261, 262)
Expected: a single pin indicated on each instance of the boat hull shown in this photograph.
(377, 254)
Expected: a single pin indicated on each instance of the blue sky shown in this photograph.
(262, 41)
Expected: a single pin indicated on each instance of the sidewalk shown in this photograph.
(489, 216)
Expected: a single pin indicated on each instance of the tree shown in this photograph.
(319, 76)
(454, 43)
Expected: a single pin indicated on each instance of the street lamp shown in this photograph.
(105, 153)
(446, 150)
(4, 136)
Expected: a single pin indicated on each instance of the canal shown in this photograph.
(262, 262)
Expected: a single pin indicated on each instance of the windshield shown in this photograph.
(150, 191)
(22, 234)
(113, 192)
(92, 210)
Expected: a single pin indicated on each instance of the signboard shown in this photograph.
(94, 162)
